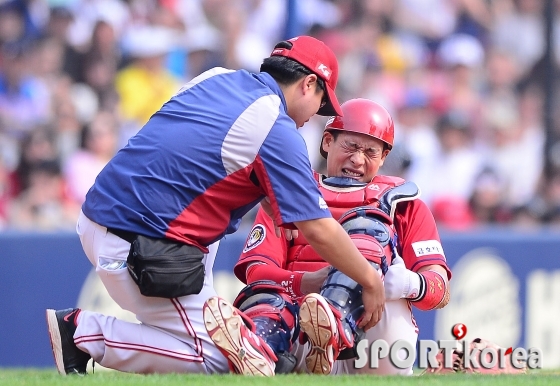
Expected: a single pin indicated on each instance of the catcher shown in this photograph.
(291, 288)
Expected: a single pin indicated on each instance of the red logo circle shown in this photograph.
(459, 331)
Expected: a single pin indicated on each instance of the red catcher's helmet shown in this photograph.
(365, 117)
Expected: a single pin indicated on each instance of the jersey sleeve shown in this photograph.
(262, 246)
(284, 172)
(290, 280)
(418, 238)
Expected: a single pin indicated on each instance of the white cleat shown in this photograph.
(318, 322)
(247, 353)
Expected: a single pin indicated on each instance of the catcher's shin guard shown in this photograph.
(274, 315)
(345, 297)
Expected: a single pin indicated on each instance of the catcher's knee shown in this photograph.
(265, 298)
(273, 312)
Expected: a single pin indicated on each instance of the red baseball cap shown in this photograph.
(319, 59)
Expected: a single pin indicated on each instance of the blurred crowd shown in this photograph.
(463, 80)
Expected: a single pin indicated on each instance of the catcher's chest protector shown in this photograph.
(342, 194)
(371, 227)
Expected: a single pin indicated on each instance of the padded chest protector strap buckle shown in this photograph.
(406, 192)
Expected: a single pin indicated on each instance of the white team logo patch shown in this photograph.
(256, 237)
(322, 203)
(325, 70)
(427, 247)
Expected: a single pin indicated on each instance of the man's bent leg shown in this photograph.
(181, 318)
(138, 348)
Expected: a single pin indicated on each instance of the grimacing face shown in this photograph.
(354, 155)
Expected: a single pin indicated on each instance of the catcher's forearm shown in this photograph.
(434, 291)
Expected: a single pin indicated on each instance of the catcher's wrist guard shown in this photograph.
(432, 291)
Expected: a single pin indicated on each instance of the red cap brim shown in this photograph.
(332, 107)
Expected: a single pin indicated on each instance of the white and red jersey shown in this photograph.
(283, 261)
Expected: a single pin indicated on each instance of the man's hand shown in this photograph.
(401, 282)
(311, 282)
(289, 233)
(374, 303)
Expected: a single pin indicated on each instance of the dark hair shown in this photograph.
(285, 70)
(25, 165)
(49, 167)
(453, 119)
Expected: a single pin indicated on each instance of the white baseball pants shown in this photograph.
(170, 337)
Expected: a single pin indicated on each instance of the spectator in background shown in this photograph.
(87, 13)
(101, 62)
(463, 54)
(99, 74)
(203, 47)
(17, 26)
(532, 138)
(486, 203)
(460, 58)
(68, 100)
(201, 40)
(42, 205)
(12, 25)
(518, 29)
(449, 176)
(99, 145)
(104, 44)
(37, 147)
(508, 140)
(45, 62)
(24, 99)
(145, 84)
(502, 75)
(474, 17)
(414, 130)
(430, 20)
(57, 27)
(397, 162)
(66, 121)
